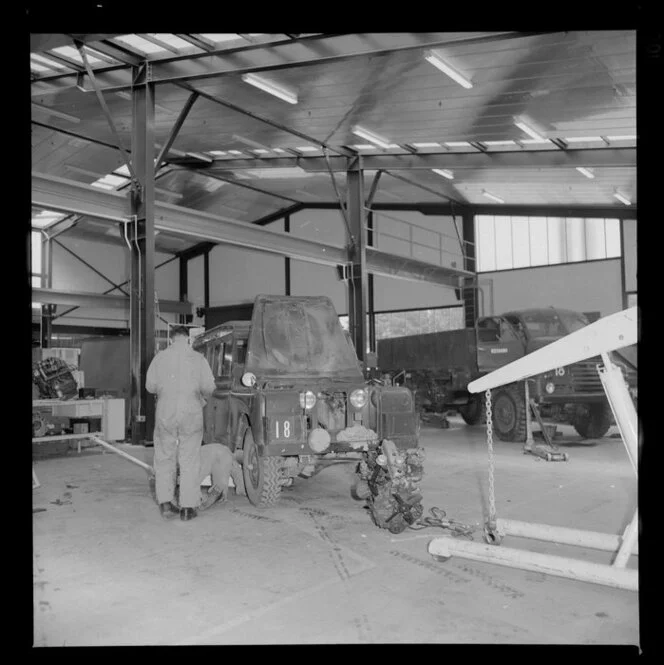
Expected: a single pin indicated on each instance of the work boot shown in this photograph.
(213, 495)
(167, 510)
(187, 514)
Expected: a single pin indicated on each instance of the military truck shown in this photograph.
(439, 366)
(290, 396)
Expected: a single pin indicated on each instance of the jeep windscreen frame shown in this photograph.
(297, 337)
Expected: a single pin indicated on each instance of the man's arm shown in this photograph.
(208, 384)
(151, 380)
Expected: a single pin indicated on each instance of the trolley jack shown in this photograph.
(550, 452)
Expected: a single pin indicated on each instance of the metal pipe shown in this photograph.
(557, 534)
(583, 571)
(122, 453)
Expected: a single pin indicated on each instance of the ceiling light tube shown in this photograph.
(529, 130)
(369, 136)
(491, 196)
(584, 171)
(445, 173)
(436, 61)
(622, 199)
(270, 88)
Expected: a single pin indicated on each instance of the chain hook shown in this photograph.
(491, 535)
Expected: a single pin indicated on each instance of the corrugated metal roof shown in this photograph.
(578, 88)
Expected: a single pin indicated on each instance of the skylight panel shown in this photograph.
(365, 146)
(45, 218)
(261, 151)
(217, 153)
(171, 40)
(38, 68)
(533, 141)
(109, 181)
(73, 54)
(294, 172)
(425, 145)
(218, 38)
(499, 142)
(307, 148)
(280, 150)
(140, 44)
(234, 152)
(457, 144)
(122, 170)
(51, 64)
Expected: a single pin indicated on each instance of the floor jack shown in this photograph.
(550, 452)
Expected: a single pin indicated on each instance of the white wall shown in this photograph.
(629, 252)
(584, 287)
(69, 274)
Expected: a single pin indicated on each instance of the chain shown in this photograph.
(490, 531)
(439, 518)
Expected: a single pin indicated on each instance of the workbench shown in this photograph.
(110, 410)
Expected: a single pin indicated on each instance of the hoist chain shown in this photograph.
(490, 529)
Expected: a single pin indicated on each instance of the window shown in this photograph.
(505, 243)
(241, 351)
(225, 359)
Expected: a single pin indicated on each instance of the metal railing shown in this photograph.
(461, 255)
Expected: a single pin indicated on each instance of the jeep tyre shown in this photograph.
(592, 421)
(473, 412)
(509, 413)
(261, 475)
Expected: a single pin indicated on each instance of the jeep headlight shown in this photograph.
(307, 400)
(550, 387)
(248, 379)
(358, 398)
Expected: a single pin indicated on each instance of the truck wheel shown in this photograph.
(592, 421)
(261, 475)
(509, 413)
(473, 412)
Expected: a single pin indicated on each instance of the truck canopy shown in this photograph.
(293, 336)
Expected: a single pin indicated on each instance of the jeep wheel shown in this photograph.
(509, 413)
(473, 412)
(592, 421)
(261, 475)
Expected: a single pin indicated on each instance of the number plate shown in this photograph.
(286, 429)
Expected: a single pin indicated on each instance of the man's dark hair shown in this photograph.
(179, 330)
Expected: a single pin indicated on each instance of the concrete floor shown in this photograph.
(109, 571)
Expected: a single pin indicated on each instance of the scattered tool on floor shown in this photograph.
(439, 518)
(550, 452)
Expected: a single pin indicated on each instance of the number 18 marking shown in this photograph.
(287, 430)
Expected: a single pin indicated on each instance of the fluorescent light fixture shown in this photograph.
(268, 86)
(445, 173)
(217, 153)
(530, 131)
(492, 196)
(585, 172)
(458, 144)
(307, 148)
(363, 147)
(292, 172)
(533, 141)
(261, 151)
(370, 136)
(499, 142)
(630, 137)
(583, 139)
(280, 150)
(425, 145)
(234, 152)
(622, 199)
(438, 62)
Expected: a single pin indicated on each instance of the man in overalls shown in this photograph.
(182, 380)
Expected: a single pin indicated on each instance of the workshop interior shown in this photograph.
(409, 261)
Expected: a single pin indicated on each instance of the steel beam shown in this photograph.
(273, 56)
(357, 260)
(445, 191)
(593, 157)
(59, 194)
(470, 290)
(100, 300)
(176, 129)
(284, 213)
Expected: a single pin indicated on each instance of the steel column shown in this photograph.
(206, 279)
(142, 311)
(287, 264)
(470, 290)
(47, 310)
(357, 281)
